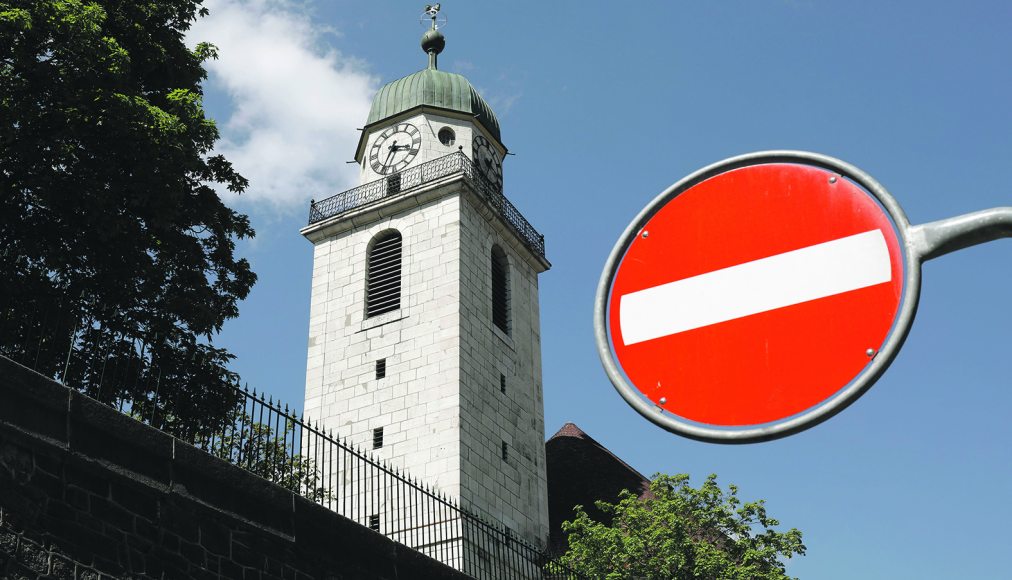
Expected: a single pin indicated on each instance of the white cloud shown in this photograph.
(295, 102)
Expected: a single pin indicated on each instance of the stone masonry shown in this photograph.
(441, 404)
(89, 493)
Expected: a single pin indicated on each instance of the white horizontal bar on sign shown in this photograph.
(802, 275)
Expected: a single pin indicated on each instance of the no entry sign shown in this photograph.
(756, 294)
(757, 297)
(763, 294)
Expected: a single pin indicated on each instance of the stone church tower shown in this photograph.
(424, 338)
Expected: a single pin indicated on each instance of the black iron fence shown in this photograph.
(271, 440)
(397, 183)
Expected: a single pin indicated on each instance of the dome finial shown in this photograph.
(433, 40)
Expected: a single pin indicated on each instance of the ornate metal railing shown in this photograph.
(401, 182)
(268, 439)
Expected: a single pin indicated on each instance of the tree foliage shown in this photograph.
(112, 236)
(676, 531)
(258, 449)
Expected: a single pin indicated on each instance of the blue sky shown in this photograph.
(604, 106)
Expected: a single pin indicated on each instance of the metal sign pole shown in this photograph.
(935, 239)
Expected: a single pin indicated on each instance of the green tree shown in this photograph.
(676, 531)
(258, 449)
(115, 248)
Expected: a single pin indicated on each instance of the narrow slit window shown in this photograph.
(505, 451)
(374, 522)
(500, 290)
(383, 274)
(381, 368)
(377, 438)
(502, 383)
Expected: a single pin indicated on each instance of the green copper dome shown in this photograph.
(434, 88)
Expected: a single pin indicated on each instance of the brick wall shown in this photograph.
(86, 492)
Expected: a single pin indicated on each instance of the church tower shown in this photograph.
(424, 338)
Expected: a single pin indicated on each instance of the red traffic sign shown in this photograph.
(757, 297)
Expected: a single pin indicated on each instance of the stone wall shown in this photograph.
(416, 402)
(501, 400)
(87, 492)
(456, 388)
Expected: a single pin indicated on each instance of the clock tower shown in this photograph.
(424, 338)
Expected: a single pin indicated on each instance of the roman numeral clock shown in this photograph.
(395, 148)
(488, 160)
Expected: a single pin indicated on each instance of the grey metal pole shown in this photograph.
(941, 237)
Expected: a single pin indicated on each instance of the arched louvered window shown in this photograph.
(500, 290)
(383, 274)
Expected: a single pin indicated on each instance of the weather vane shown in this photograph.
(432, 13)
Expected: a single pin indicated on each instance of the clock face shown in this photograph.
(395, 148)
(488, 161)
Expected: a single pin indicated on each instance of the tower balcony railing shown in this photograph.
(402, 182)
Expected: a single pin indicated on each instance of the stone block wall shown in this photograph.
(441, 404)
(500, 380)
(416, 403)
(87, 492)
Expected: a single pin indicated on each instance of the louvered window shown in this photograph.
(383, 286)
(500, 290)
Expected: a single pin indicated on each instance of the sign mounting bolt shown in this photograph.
(663, 401)
(645, 233)
(870, 352)
(832, 179)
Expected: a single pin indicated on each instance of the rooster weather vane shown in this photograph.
(431, 12)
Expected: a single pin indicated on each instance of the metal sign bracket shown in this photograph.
(941, 237)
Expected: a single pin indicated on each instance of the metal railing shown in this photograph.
(269, 439)
(401, 182)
